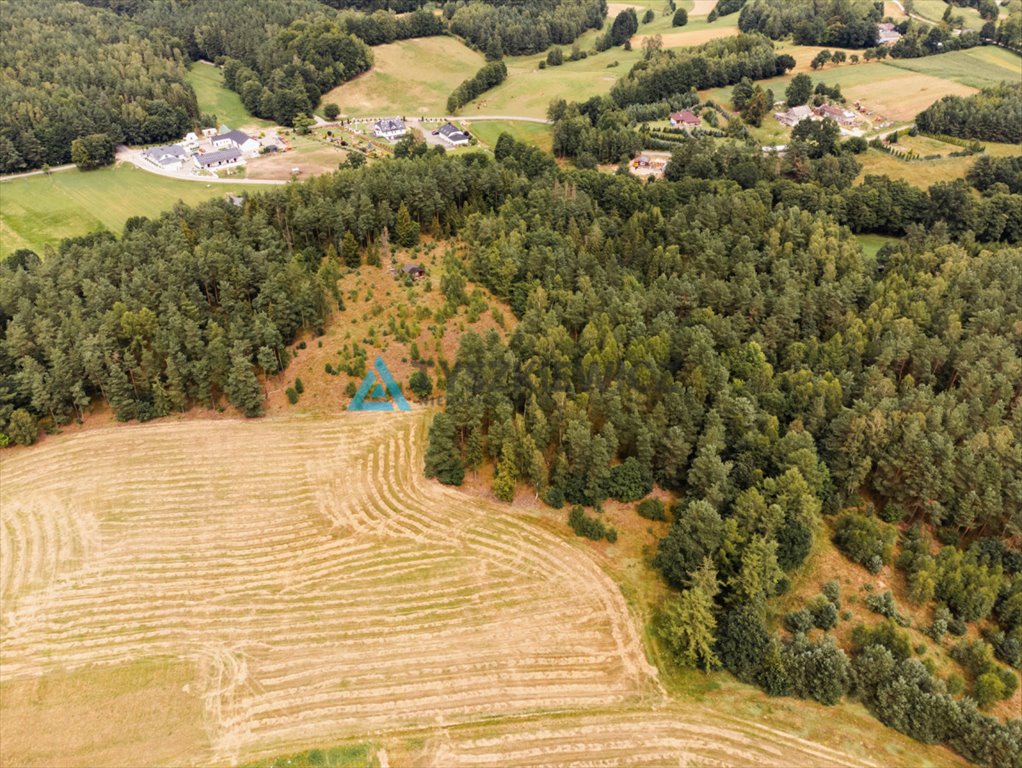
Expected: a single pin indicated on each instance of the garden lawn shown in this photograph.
(40, 210)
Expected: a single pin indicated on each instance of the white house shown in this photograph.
(169, 157)
(219, 159)
(390, 128)
(191, 137)
(795, 115)
(209, 132)
(453, 135)
(888, 34)
(236, 140)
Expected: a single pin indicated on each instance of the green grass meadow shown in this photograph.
(979, 67)
(215, 99)
(41, 210)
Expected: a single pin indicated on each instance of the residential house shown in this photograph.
(169, 157)
(685, 119)
(389, 128)
(414, 271)
(453, 135)
(887, 33)
(838, 115)
(236, 140)
(209, 133)
(219, 159)
(794, 116)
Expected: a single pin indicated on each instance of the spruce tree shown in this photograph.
(443, 456)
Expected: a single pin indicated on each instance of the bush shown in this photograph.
(22, 427)
(680, 18)
(420, 384)
(832, 591)
(798, 621)
(884, 605)
(584, 525)
(331, 111)
(819, 671)
(627, 482)
(892, 513)
(299, 387)
(865, 540)
(823, 612)
(292, 395)
(652, 509)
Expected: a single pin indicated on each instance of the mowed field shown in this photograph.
(409, 77)
(41, 210)
(215, 591)
(215, 99)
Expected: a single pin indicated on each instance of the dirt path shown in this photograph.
(56, 169)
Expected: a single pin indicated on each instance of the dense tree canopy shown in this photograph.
(77, 71)
(993, 114)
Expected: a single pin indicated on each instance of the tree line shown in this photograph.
(501, 28)
(490, 75)
(993, 114)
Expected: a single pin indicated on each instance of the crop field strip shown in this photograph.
(323, 586)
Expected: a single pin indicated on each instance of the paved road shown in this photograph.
(12, 176)
(134, 156)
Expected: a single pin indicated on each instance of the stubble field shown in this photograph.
(207, 592)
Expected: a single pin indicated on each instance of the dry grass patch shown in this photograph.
(684, 38)
(903, 98)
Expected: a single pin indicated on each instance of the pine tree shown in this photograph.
(243, 388)
(443, 456)
(406, 230)
(689, 624)
(350, 251)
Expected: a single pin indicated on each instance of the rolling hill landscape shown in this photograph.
(548, 383)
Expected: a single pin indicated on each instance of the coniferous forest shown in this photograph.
(719, 339)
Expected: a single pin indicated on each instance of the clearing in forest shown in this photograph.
(409, 77)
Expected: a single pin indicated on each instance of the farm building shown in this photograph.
(219, 159)
(835, 113)
(236, 140)
(389, 128)
(794, 116)
(888, 34)
(685, 119)
(453, 135)
(414, 271)
(169, 157)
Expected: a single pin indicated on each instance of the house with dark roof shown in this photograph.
(685, 119)
(169, 157)
(414, 271)
(453, 135)
(389, 128)
(236, 140)
(219, 159)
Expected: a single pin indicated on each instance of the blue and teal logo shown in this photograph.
(379, 391)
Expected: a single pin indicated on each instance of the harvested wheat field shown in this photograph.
(206, 592)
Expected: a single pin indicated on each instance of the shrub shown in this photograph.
(292, 395)
(627, 481)
(832, 591)
(865, 540)
(680, 18)
(819, 671)
(652, 509)
(893, 513)
(299, 387)
(884, 605)
(22, 427)
(420, 384)
(798, 621)
(584, 525)
(331, 111)
(823, 612)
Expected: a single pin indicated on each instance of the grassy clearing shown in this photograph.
(409, 77)
(41, 210)
(871, 244)
(311, 155)
(215, 99)
(934, 11)
(488, 131)
(925, 173)
(977, 67)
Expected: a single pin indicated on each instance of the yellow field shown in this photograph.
(200, 592)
